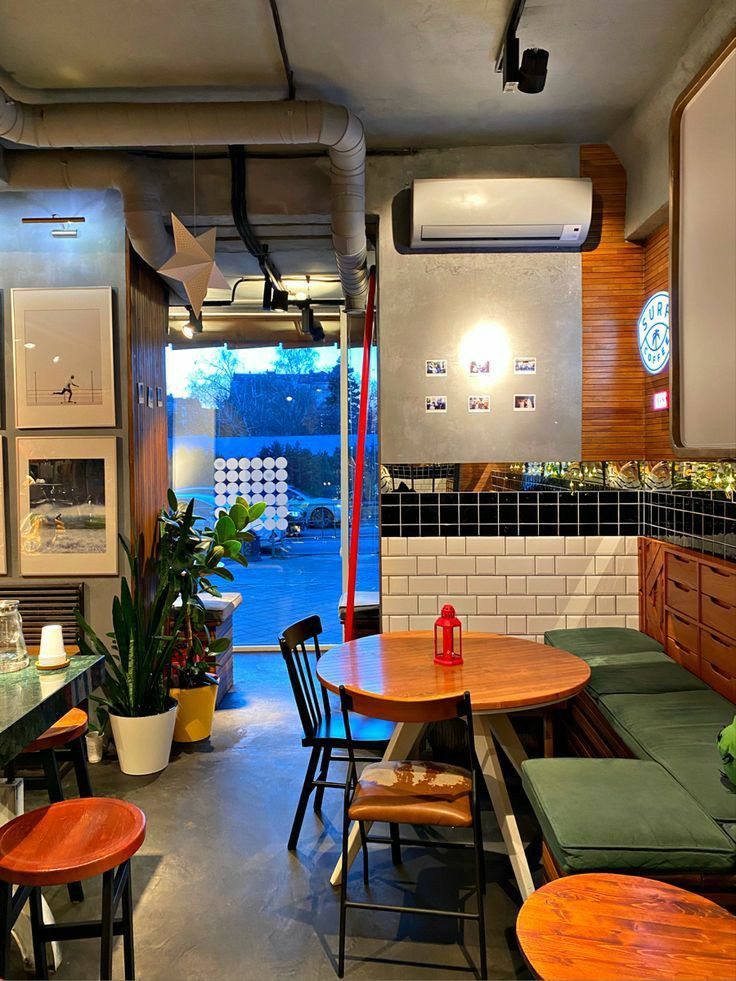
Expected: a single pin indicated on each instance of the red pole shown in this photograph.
(360, 456)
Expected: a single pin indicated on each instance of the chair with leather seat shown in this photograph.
(323, 729)
(415, 793)
(62, 742)
(62, 843)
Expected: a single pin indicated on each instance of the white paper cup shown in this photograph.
(52, 650)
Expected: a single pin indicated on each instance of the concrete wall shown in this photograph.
(451, 305)
(642, 143)
(32, 258)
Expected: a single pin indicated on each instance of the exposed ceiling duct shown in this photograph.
(217, 124)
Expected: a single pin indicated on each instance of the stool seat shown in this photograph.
(63, 731)
(70, 840)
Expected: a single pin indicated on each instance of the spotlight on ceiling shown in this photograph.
(195, 325)
(280, 300)
(531, 75)
(312, 326)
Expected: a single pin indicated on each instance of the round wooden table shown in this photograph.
(625, 928)
(503, 674)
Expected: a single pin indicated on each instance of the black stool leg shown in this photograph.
(320, 792)
(395, 844)
(78, 751)
(6, 895)
(301, 807)
(127, 904)
(56, 793)
(106, 935)
(39, 944)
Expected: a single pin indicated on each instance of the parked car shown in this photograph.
(312, 512)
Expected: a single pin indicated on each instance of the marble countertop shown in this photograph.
(32, 700)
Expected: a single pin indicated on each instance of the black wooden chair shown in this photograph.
(411, 792)
(323, 731)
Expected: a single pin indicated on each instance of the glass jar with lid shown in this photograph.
(13, 652)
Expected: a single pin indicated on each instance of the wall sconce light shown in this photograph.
(66, 222)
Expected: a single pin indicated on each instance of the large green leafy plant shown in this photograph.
(192, 555)
(143, 639)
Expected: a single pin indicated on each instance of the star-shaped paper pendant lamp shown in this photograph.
(193, 264)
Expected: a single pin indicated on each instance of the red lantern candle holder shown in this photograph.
(449, 650)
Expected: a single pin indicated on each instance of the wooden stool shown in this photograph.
(63, 740)
(624, 928)
(62, 843)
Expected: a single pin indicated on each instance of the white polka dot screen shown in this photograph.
(255, 480)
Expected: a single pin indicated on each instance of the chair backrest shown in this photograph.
(401, 710)
(311, 699)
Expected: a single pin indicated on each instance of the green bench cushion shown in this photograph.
(623, 816)
(642, 678)
(679, 730)
(601, 640)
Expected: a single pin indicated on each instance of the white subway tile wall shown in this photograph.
(519, 586)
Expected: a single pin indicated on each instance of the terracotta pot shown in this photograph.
(144, 743)
(196, 713)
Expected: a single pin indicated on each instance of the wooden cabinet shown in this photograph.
(698, 616)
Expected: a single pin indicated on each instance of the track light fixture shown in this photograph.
(195, 325)
(529, 76)
(310, 325)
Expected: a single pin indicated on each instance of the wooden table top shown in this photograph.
(501, 673)
(625, 928)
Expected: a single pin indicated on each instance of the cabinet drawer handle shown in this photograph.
(717, 670)
(719, 603)
(716, 639)
(718, 572)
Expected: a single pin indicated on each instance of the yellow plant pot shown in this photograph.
(195, 714)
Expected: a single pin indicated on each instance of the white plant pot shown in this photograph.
(95, 746)
(144, 743)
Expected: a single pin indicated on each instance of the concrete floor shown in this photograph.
(218, 896)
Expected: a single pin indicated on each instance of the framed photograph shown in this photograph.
(436, 403)
(479, 368)
(436, 367)
(525, 403)
(67, 505)
(479, 403)
(525, 366)
(63, 357)
(3, 498)
(141, 390)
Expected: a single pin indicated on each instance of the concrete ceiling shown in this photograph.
(418, 72)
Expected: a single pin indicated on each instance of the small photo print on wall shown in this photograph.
(435, 403)
(479, 403)
(63, 358)
(480, 368)
(436, 367)
(68, 519)
(525, 366)
(525, 403)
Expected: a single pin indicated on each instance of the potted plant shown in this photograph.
(193, 554)
(136, 691)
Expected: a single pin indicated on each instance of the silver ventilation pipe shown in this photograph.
(220, 124)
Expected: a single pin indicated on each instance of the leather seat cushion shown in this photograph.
(408, 792)
(584, 641)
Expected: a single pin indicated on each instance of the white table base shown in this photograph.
(11, 805)
(489, 729)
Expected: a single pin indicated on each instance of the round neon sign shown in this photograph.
(653, 330)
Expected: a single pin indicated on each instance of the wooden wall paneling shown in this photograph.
(147, 302)
(658, 444)
(651, 588)
(613, 383)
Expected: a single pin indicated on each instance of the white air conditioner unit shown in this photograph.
(501, 213)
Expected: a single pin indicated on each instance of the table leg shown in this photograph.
(491, 766)
(11, 805)
(404, 736)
